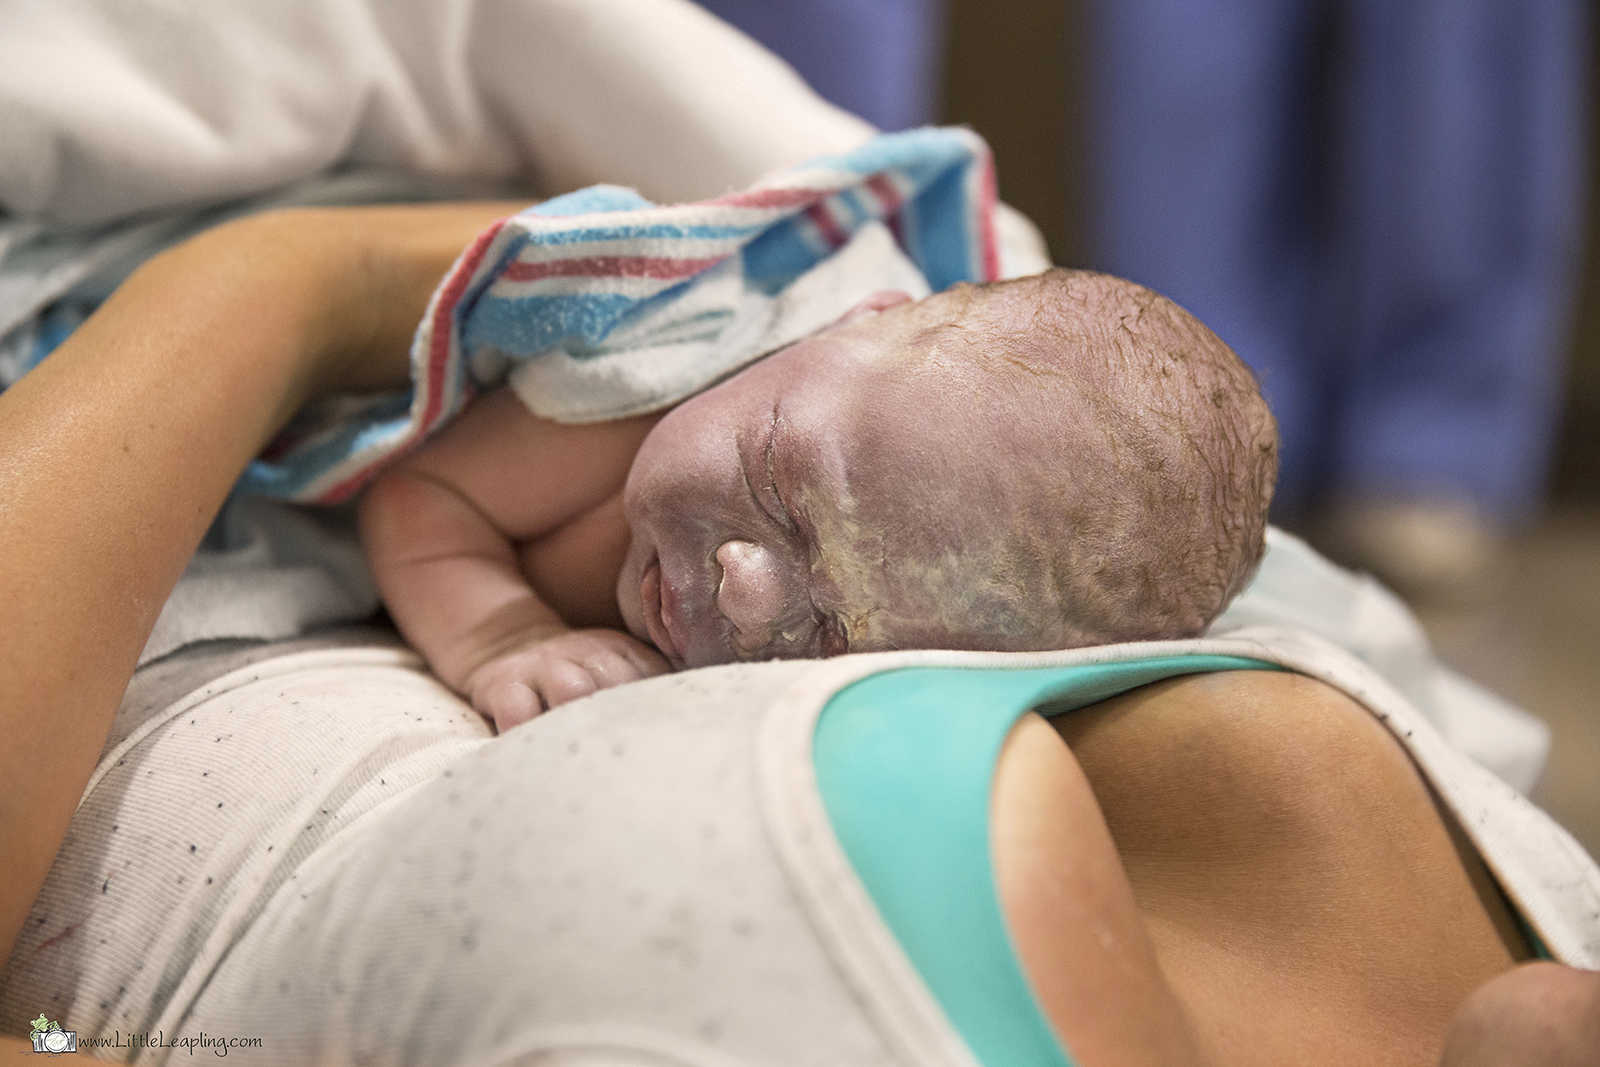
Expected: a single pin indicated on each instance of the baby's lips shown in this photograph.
(653, 608)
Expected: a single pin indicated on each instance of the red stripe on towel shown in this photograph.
(822, 218)
(889, 200)
(886, 191)
(988, 243)
(769, 198)
(609, 267)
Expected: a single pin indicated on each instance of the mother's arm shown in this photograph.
(117, 452)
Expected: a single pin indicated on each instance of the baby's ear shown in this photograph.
(876, 302)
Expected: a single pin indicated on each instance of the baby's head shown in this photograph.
(1056, 461)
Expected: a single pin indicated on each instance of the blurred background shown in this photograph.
(1389, 210)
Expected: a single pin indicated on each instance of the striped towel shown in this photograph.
(600, 304)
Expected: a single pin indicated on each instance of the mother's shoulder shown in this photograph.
(1306, 897)
(1269, 741)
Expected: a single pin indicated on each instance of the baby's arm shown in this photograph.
(442, 529)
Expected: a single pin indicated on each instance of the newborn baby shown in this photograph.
(1055, 461)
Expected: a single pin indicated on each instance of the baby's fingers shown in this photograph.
(620, 664)
(561, 680)
(521, 687)
(645, 661)
(509, 704)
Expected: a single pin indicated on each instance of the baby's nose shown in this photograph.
(750, 594)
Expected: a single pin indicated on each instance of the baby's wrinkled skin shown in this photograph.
(831, 498)
(1052, 462)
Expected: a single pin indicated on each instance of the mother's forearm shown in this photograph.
(115, 455)
(117, 452)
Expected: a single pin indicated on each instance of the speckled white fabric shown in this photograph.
(325, 849)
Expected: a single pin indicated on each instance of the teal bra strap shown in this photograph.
(1535, 942)
(904, 762)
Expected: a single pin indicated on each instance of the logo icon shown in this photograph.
(49, 1037)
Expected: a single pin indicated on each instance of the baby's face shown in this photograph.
(834, 497)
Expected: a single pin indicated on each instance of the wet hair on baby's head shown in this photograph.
(1148, 451)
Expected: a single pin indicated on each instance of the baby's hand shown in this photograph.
(534, 675)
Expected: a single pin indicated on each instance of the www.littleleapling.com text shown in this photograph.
(190, 1043)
